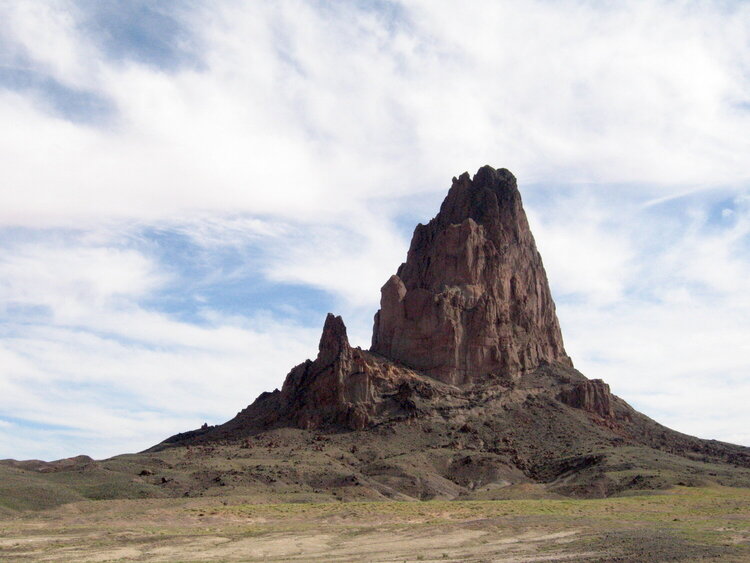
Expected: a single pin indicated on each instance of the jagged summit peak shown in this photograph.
(333, 340)
(498, 181)
(491, 199)
(472, 298)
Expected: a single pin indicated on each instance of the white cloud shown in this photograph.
(60, 276)
(675, 342)
(64, 54)
(101, 370)
(309, 112)
(113, 392)
(587, 251)
(353, 267)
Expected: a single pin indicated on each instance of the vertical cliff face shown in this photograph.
(592, 396)
(472, 298)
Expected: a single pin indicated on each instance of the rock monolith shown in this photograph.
(472, 298)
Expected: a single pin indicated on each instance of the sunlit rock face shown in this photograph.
(472, 298)
(592, 396)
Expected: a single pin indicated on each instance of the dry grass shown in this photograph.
(681, 524)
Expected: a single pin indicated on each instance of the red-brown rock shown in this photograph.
(470, 304)
(592, 396)
(472, 298)
(467, 382)
(345, 386)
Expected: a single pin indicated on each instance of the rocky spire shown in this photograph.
(344, 386)
(472, 298)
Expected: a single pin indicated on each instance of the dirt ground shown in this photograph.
(684, 524)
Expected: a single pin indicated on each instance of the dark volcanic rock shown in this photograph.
(472, 298)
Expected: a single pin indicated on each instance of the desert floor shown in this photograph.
(683, 524)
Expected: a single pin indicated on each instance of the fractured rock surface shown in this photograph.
(592, 396)
(470, 305)
(343, 387)
(472, 298)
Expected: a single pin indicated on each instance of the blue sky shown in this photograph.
(189, 190)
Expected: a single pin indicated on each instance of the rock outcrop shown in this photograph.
(472, 298)
(343, 387)
(338, 387)
(332, 387)
(591, 396)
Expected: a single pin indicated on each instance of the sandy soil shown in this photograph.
(682, 525)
